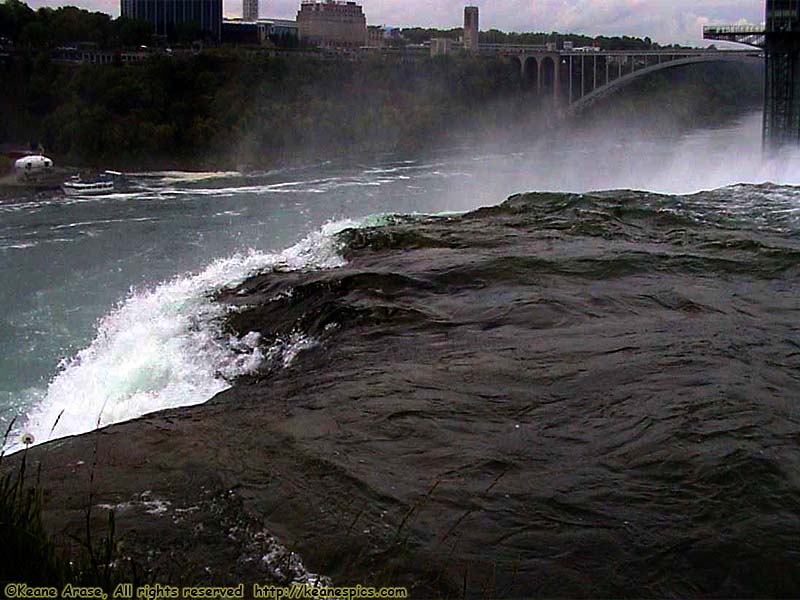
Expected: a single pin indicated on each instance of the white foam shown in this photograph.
(19, 246)
(171, 177)
(165, 347)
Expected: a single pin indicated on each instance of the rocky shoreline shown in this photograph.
(535, 399)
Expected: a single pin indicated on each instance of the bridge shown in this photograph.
(779, 38)
(576, 78)
(749, 35)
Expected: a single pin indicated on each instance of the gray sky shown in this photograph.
(663, 20)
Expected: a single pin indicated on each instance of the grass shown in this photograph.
(30, 555)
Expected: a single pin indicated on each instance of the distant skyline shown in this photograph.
(665, 21)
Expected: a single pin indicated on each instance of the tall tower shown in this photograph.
(782, 95)
(471, 28)
(250, 10)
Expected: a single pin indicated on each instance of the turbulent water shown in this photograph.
(108, 310)
(571, 392)
(567, 395)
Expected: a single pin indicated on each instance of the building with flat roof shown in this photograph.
(381, 36)
(280, 32)
(375, 36)
(442, 46)
(471, 28)
(250, 10)
(332, 24)
(169, 17)
(244, 33)
(282, 27)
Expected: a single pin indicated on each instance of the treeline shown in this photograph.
(419, 35)
(50, 28)
(227, 108)
(231, 107)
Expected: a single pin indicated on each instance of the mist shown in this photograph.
(677, 132)
(607, 158)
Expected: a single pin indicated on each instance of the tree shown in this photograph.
(14, 16)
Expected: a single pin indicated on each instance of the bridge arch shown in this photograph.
(621, 82)
(576, 79)
(547, 77)
(530, 73)
(515, 65)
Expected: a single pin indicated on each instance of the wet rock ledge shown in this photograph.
(537, 399)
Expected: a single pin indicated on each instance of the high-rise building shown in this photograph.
(250, 10)
(783, 15)
(332, 24)
(782, 50)
(471, 28)
(169, 17)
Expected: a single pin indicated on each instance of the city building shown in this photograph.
(375, 36)
(332, 24)
(471, 28)
(173, 18)
(441, 46)
(393, 36)
(280, 32)
(381, 36)
(250, 10)
(282, 27)
(244, 33)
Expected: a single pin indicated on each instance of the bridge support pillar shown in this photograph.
(782, 94)
(557, 80)
(583, 76)
(539, 76)
(571, 84)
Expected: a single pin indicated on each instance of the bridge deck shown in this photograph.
(531, 50)
(751, 35)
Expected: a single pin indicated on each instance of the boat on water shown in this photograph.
(106, 183)
(32, 167)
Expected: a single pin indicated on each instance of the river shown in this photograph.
(107, 311)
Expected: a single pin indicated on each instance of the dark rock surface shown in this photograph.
(556, 397)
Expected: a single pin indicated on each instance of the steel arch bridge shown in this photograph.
(574, 79)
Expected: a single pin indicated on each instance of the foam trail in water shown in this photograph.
(165, 347)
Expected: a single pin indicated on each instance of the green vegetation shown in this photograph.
(239, 108)
(230, 106)
(29, 554)
(419, 35)
(51, 28)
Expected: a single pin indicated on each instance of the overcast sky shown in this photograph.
(662, 20)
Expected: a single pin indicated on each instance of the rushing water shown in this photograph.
(107, 309)
(567, 395)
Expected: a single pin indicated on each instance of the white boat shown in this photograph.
(105, 184)
(79, 188)
(33, 167)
